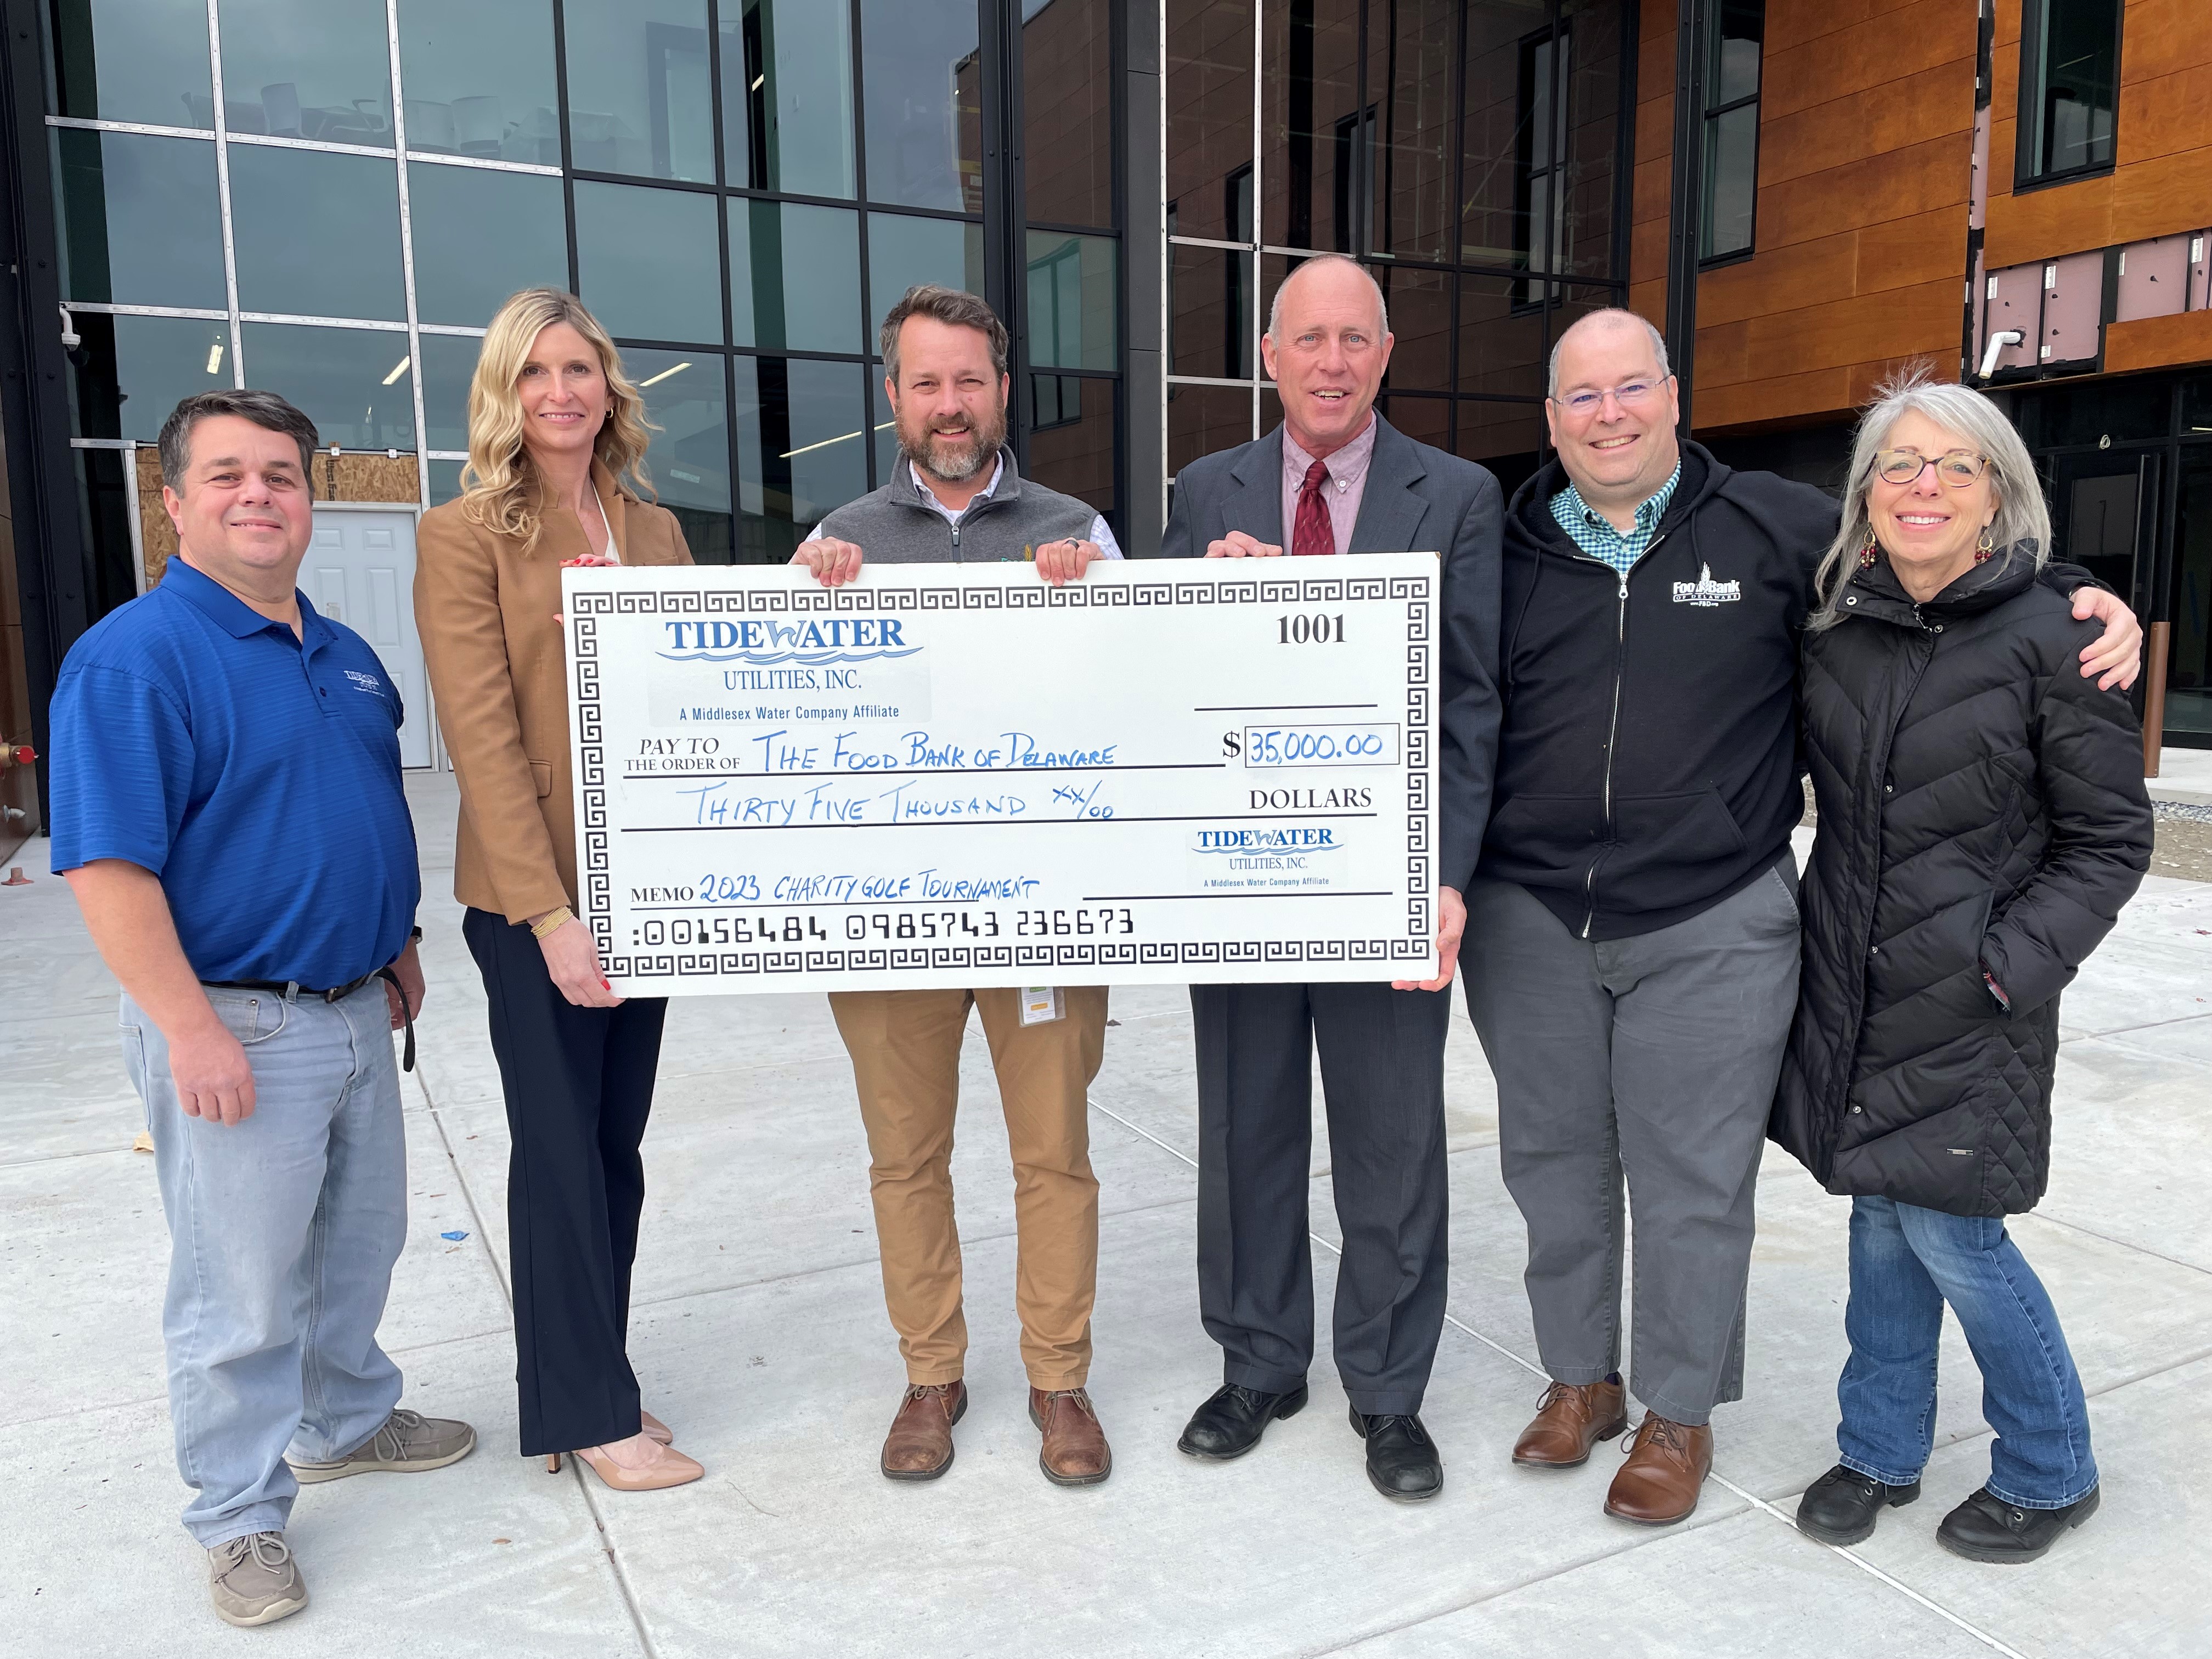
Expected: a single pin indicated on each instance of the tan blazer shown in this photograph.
(498, 666)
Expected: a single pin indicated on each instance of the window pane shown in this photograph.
(1586, 198)
(353, 383)
(925, 114)
(447, 363)
(132, 60)
(479, 236)
(639, 96)
(316, 235)
(801, 449)
(1204, 418)
(1734, 71)
(1209, 98)
(1210, 312)
(445, 482)
(1068, 112)
(1073, 301)
(1731, 179)
(1499, 135)
(141, 223)
(2072, 99)
(1420, 318)
(131, 371)
(885, 425)
(479, 78)
(1409, 70)
(648, 262)
(903, 250)
(1501, 340)
(1072, 438)
(684, 397)
(307, 71)
(787, 95)
(795, 277)
(1501, 437)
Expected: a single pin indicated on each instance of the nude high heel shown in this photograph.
(654, 1428)
(669, 1467)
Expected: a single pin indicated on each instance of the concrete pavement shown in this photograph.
(760, 1336)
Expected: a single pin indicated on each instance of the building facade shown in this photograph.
(328, 198)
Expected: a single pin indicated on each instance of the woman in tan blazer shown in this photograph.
(556, 447)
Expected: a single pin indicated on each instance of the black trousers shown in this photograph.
(1382, 1079)
(579, 1085)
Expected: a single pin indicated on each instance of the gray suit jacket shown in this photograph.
(1417, 500)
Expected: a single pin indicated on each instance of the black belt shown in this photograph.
(289, 989)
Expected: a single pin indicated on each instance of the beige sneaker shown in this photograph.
(254, 1580)
(407, 1444)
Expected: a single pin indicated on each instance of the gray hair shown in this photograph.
(2022, 526)
(1275, 305)
(1658, 344)
(264, 409)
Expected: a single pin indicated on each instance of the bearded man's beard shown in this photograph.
(956, 457)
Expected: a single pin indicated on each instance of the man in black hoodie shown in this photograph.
(1631, 937)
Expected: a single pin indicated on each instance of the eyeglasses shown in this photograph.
(1628, 397)
(1957, 467)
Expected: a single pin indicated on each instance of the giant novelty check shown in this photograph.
(957, 775)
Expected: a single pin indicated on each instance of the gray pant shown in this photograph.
(1654, 1055)
(283, 1233)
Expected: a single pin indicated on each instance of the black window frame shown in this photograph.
(2028, 129)
(1709, 259)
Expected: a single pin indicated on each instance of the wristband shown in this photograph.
(552, 919)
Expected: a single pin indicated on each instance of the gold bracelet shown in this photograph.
(552, 919)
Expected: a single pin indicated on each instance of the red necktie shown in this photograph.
(1313, 533)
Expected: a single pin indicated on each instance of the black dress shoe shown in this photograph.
(1986, 1529)
(1842, 1506)
(1232, 1420)
(1403, 1463)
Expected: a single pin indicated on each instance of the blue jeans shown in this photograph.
(283, 1232)
(1906, 1262)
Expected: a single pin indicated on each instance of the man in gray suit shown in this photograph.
(1340, 479)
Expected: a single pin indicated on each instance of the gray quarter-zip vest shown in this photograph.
(894, 526)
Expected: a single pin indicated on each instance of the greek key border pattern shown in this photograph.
(593, 834)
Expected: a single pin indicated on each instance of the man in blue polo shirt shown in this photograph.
(226, 807)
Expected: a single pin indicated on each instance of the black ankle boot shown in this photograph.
(1986, 1529)
(1842, 1506)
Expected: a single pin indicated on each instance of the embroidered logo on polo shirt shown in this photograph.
(369, 683)
(1705, 593)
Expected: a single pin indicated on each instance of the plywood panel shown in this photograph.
(1793, 22)
(2173, 113)
(1901, 43)
(1648, 300)
(1723, 352)
(1895, 185)
(1932, 104)
(1647, 251)
(2043, 223)
(2159, 342)
(1808, 273)
(1862, 329)
(2158, 198)
(2160, 37)
(1824, 392)
(1925, 248)
(1655, 125)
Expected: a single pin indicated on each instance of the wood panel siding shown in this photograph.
(1865, 161)
(2159, 342)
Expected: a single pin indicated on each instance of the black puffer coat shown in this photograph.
(1981, 807)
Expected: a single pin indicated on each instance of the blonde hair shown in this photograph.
(499, 484)
(2022, 529)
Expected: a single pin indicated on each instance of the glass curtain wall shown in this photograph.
(1469, 152)
(330, 198)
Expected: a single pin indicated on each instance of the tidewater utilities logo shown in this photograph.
(763, 642)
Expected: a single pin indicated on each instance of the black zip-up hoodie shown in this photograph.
(1648, 766)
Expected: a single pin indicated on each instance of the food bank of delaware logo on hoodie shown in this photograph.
(1705, 593)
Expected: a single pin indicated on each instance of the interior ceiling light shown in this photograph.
(664, 375)
(398, 370)
(214, 357)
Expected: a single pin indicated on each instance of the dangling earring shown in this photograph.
(1868, 553)
(1986, 550)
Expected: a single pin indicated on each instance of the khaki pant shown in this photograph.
(905, 1047)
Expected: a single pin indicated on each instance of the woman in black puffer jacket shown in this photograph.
(1982, 821)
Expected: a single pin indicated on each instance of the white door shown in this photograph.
(360, 571)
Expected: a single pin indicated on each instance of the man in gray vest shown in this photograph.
(1336, 477)
(958, 496)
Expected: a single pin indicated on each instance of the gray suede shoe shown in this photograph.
(254, 1580)
(407, 1444)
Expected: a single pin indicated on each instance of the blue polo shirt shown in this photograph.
(256, 773)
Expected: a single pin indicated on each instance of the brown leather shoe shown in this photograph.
(1667, 1463)
(1075, 1453)
(1570, 1419)
(920, 1445)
